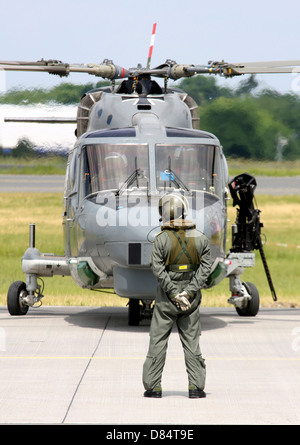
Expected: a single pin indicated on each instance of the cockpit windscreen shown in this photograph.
(107, 166)
(197, 166)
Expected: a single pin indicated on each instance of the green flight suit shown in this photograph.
(180, 261)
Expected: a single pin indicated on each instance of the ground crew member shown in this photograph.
(181, 263)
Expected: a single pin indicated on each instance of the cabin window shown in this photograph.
(197, 166)
(108, 166)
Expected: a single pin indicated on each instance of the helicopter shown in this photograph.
(135, 142)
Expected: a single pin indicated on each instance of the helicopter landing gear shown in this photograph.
(244, 295)
(35, 265)
(15, 298)
(134, 312)
(246, 237)
(251, 306)
(21, 296)
(137, 312)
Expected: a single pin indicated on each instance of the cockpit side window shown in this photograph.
(73, 170)
(196, 165)
(85, 185)
(217, 175)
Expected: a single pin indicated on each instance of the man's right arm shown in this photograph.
(204, 269)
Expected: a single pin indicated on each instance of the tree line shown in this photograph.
(262, 125)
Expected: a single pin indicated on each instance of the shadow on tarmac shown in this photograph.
(116, 319)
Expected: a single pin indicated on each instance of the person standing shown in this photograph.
(181, 263)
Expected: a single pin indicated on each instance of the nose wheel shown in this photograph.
(15, 298)
(134, 312)
(138, 312)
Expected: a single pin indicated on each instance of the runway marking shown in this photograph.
(143, 358)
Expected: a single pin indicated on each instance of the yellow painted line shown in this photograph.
(143, 358)
(278, 359)
(67, 358)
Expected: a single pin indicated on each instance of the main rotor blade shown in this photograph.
(42, 120)
(281, 66)
(105, 70)
(265, 67)
(176, 71)
(170, 69)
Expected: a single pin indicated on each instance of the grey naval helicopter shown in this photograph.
(137, 141)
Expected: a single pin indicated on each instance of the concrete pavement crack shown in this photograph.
(85, 370)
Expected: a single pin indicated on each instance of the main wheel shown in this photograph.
(134, 312)
(16, 293)
(252, 307)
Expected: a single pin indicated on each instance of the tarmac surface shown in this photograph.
(83, 365)
(55, 183)
(32, 183)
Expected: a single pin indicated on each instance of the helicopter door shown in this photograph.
(70, 206)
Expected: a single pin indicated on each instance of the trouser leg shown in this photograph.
(161, 327)
(189, 329)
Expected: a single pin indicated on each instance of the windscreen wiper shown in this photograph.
(172, 177)
(137, 173)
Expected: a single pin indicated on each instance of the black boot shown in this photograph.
(153, 393)
(196, 393)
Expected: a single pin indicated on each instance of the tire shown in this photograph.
(15, 305)
(252, 306)
(133, 312)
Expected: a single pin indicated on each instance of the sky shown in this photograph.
(189, 32)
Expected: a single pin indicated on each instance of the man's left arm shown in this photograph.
(158, 261)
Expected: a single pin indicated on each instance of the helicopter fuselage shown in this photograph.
(136, 142)
(136, 148)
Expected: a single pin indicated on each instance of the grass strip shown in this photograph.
(281, 233)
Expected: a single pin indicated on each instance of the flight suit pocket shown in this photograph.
(201, 360)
